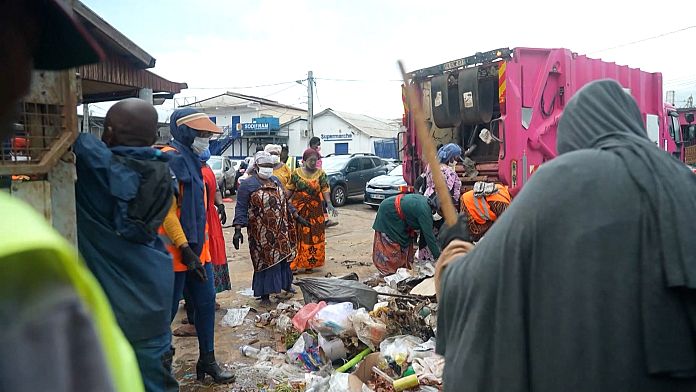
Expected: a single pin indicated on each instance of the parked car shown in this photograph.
(224, 171)
(391, 163)
(348, 174)
(382, 187)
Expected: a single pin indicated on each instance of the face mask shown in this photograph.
(265, 172)
(200, 144)
(276, 159)
(436, 217)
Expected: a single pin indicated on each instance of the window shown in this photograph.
(353, 165)
(652, 124)
(215, 164)
(366, 164)
(378, 162)
(397, 171)
(675, 130)
(341, 148)
(334, 163)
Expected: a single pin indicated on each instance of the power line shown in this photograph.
(242, 87)
(317, 92)
(644, 39)
(361, 80)
(280, 91)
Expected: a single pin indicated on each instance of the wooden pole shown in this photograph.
(428, 148)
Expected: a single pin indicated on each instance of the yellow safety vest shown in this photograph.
(24, 230)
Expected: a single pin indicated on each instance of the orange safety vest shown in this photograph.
(478, 207)
(173, 250)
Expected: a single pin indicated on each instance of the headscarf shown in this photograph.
(603, 116)
(275, 148)
(271, 148)
(262, 157)
(448, 152)
(310, 152)
(186, 166)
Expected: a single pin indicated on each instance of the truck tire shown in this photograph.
(338, 196)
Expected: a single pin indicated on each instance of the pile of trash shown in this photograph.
(350, 336)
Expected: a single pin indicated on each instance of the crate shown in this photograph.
(47, 125)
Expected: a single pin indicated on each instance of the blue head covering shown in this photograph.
(186, 166)
(205, 155)
(448, 152)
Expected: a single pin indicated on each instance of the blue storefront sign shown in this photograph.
(256, 127)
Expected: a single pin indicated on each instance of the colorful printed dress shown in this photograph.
(218, 253)
(311, 247)
(267, 214)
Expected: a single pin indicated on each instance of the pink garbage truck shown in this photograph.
(503, 108)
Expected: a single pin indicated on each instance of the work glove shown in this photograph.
(222, 213)
(302, 221)
(460, 231)
(193, 263)
(238, 238)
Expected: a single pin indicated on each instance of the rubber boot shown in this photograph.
(207, 365)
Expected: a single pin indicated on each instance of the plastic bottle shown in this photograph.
(249, 351)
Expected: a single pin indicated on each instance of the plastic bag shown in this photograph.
(305, 314)
(369, 331)
(334, 320)
(401, 275)
(234, 317)
(337, 290)
(283, 323)
(430, 368)
(400, 348)
(305, 352)
(424, 350)
(339, 382)
(333, 348)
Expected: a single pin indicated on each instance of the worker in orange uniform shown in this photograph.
(482, 206)
(186, 229)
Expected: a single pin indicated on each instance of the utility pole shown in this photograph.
(310, 103)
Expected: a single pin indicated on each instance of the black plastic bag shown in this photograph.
(337, 290)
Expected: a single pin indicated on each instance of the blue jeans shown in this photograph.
(202, 295)
(151, 356)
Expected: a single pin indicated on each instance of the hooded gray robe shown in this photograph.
(587, 282)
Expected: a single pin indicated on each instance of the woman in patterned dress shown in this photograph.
(306, 187)
(263, 208)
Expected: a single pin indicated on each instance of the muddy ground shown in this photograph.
(348, 249)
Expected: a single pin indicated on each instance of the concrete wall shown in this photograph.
(297, 141)
(329, 124)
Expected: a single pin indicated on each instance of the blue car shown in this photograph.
(348, 174)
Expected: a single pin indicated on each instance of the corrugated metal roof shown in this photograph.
(234, 99)
(372, 126)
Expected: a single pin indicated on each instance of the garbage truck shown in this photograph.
(503, 108)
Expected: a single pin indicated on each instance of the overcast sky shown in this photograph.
(218, 45)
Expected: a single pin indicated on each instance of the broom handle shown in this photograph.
(428, 148)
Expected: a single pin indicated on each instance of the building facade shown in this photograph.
(340, 133)
(248, 122)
